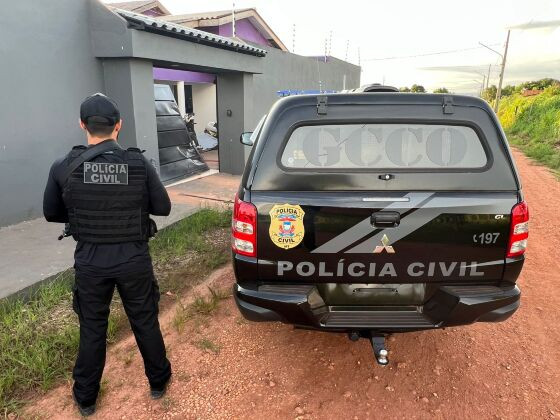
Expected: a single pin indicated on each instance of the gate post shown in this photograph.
(130, 82)
(235, 115)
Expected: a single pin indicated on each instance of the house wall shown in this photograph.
(51, 70)
(244, 30)
(131, 84)
(204, 104)
(255, 94)
(283, 70)
(235, 113)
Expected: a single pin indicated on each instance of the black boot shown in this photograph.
(85, 410)
(156, 392)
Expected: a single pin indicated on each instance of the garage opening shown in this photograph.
(178, 153)
(196, 96)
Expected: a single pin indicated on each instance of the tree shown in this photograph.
(538, 84)
(417, 88)
(441, 90)
(508, 90)
(489, 94)
(405, 89)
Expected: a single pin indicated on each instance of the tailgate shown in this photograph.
(376, 237)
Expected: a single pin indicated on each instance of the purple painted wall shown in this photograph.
(183, 75)
(153, 12)
(244, 30)
(212, 29)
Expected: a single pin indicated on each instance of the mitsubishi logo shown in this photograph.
(385, 241)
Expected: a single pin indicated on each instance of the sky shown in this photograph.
(434, 43)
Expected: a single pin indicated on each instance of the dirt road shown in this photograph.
(249, 370)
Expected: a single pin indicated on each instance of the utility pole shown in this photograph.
(347, 45)
(233, 21)
(502, 70)
(294, 39)
(477, 82)
(483, 82)
(499, 93)
(488, 78)
(482, 86)
(359, 58)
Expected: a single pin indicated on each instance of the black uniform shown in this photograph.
(107, 201)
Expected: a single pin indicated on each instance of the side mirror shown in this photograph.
(246, 139)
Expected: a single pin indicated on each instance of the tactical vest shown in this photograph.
(108, 202)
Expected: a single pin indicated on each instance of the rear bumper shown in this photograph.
(303, 306)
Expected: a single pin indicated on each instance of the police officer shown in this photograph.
(105, 194)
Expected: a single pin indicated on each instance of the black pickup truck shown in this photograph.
(375, 213)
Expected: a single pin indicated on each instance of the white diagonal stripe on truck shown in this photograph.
(363, 228)
(428, 212)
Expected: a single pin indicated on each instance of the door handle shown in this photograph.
(385, 219)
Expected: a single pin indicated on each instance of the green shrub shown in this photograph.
(533, 124)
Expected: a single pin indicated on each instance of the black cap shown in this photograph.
(99, 109)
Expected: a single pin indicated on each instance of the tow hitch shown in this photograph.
(377, 343)
(379, 350)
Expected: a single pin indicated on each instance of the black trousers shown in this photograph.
(140, 296)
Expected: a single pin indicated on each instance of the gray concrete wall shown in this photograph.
(47, 69)
(48, 53)
(130, 83)
(283, 70)
(235, 114)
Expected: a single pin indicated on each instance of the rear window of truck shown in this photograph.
(384, 146)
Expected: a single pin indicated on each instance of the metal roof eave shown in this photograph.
(144, 23)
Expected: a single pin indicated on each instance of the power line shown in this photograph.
(425, 54)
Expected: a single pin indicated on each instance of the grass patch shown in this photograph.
(201, 306)
(35, 352)
(39, 334)
(205, 306)
(533, 125)
(208, 345)
(103, 388)
(167, 403)
(188, 235)
(180, 318)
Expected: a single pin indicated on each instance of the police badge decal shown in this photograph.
(286, 225)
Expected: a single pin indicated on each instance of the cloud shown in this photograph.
(522, 72)
(463, 79)
(537, 25)
(461, 69)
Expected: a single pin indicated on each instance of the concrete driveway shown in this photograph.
(30, 251)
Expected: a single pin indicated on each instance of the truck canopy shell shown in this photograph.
(268, 173)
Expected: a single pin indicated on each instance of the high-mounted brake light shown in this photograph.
(519, 230)
(244, 228)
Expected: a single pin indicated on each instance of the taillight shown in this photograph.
(244, 228)
(519, 230)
